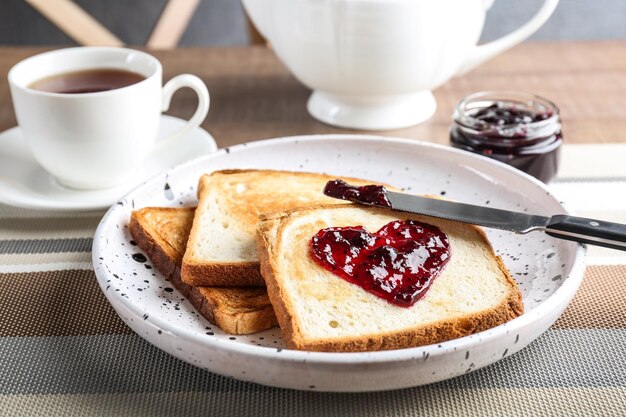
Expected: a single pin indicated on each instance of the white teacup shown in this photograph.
(372, 63)
(96, 140)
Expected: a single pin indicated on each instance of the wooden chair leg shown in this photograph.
(255, 36)
(172, 24)
(75, 22)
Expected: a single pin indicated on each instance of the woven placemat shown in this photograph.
(65, 352)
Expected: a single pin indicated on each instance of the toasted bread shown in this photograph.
(162, 233)
(319, 311)
(221, 249)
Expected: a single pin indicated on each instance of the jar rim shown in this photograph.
(529, 100)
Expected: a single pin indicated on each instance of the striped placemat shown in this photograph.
(65, 352)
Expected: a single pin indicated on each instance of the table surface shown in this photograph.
(64, 351)
(253, 96)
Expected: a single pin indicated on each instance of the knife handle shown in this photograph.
(592, 231)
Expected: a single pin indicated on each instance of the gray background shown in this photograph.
(222, 22)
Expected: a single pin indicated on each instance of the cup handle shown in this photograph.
(482, 53)
(204, 100)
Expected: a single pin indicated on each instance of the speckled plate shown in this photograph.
(547, 270)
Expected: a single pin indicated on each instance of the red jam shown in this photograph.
(398, 263)
(368, 194)
(519, 129)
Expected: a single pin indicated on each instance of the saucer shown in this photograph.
(24, 183)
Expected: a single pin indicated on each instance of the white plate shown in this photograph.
(547, 270)
(24, 183)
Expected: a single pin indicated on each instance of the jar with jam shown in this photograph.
(517, 128)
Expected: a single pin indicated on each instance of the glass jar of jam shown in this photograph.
(519, 129)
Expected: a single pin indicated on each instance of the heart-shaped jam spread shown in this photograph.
(397, 263)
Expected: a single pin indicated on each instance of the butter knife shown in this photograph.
(579, 229)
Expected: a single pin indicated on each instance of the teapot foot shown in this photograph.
(372, 112)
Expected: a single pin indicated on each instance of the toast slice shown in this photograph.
(319, 311)
(162, 233)
(222, 246)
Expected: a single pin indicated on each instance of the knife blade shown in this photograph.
(579, 229)
(467, 213)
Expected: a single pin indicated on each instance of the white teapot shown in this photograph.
(373, 63)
